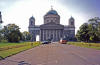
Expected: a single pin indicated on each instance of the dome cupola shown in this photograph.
(54, 12)
(52, 16)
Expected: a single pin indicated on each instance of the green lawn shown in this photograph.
(86, 45)
(9, 49)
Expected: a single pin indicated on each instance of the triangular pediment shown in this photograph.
(51, 25)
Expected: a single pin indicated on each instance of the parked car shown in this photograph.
(63, 41)
(46, 42)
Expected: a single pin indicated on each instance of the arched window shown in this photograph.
(72, 23)
(47, 20)
(31, 22)
(51, 20)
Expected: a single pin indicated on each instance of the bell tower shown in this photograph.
(72, 21)
(32, 22)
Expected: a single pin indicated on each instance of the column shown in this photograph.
(59, 34)
(46, 34)
(56, 35)
(53, 35)
(43, 35)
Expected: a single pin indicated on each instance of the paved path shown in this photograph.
(55, 54)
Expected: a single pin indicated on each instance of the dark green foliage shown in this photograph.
(82, 34)
(12, 33)
(89, 32)
(26, 36)
(14, 36)
(2, 37)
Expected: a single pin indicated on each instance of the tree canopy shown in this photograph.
(90, 31)
(11, 33)
(26, 36)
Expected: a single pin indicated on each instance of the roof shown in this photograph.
(71, 18)
(54, 12)
(32, 18)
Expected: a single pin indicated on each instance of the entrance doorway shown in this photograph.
(37, 38)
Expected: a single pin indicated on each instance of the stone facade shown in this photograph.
(51, 29)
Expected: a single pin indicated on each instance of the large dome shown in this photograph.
(52, 12)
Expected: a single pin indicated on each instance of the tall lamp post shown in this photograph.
(0, 21)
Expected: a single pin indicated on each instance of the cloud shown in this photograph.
(84, 6)
(19, 11)
(6, 3)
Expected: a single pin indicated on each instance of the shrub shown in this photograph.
(4, 41)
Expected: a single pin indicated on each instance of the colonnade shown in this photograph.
(55, 35)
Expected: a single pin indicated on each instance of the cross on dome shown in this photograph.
(51, 7)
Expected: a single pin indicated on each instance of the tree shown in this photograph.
(0, 36)
(98, 31)
(82, 34)
(94, 25)
(26, 36)
(12, 33)
(93, 33)
(90, 31)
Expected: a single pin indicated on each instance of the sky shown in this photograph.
(19, 11)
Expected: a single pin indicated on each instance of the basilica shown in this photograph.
(52, 29)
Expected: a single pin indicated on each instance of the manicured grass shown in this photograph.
(9, 49)
(86, 45)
